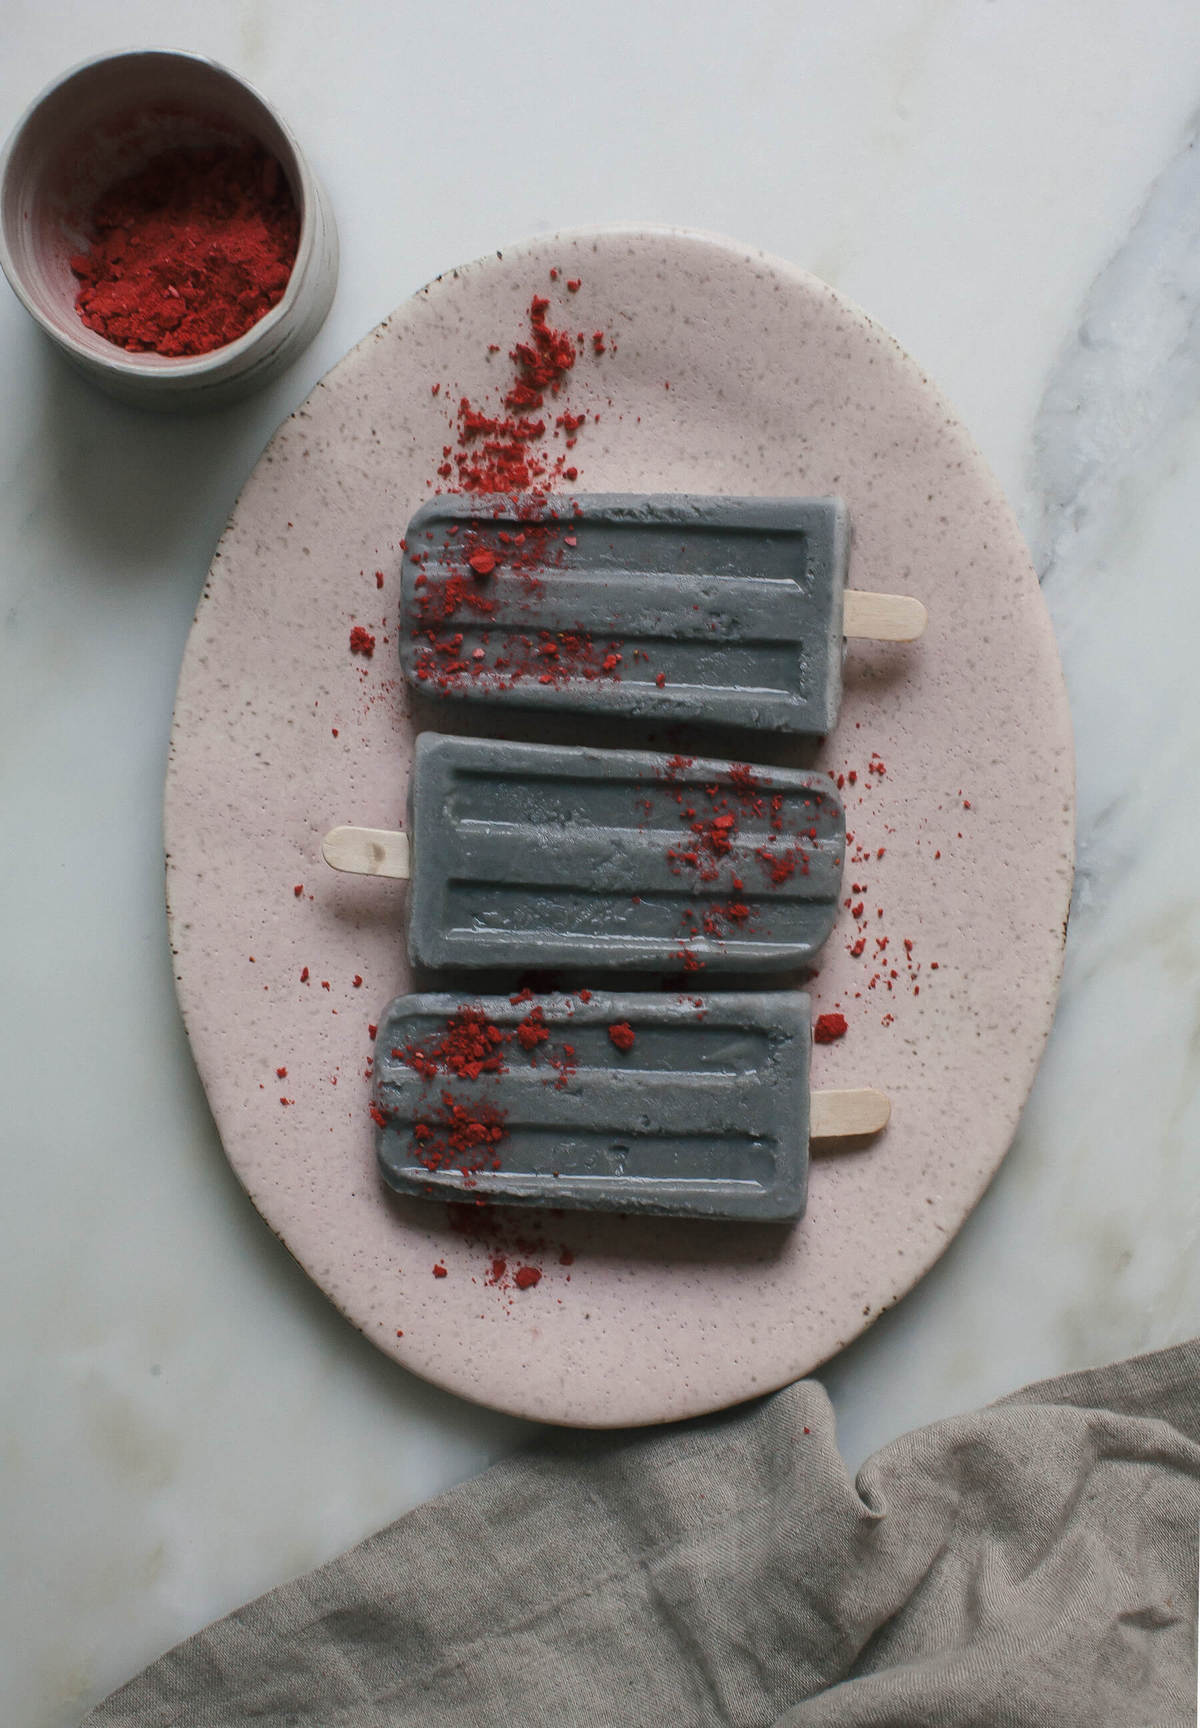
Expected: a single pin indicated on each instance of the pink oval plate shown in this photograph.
(702, 367)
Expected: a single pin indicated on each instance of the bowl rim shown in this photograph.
(165, 367)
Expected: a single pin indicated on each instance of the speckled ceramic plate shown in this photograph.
(722, 371)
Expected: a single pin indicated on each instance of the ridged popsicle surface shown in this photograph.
(696, 1107)
(720, 610)
(532, 855)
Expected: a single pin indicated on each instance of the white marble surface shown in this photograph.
(1012, 188)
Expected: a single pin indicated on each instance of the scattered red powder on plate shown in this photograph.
(514, 1249)
(503, 452)
(829, 1028)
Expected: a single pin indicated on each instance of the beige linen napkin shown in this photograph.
(1032, 1563)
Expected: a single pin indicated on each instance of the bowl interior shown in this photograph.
(101, 123)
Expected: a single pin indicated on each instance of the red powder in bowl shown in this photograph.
(190, 252)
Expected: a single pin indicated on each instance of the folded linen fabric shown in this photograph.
(1034, 1562)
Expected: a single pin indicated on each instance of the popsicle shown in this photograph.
(673, 607)
(533, 855)
(688, 1107)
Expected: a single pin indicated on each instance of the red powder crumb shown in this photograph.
(378, 1117)
(470, 1046)
(298, 889)
(304, 975)
(357, 980)
(532, 1031)
(622, 1035)
(458, 1132)
(362, 642)
(565, 1066)
(525, 1277)
(439, 1271)
(829, 1028)
(281, 1073)
(482, 560)
(379, 578)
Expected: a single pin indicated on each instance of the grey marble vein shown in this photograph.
(1109, 520)
(1127, 377)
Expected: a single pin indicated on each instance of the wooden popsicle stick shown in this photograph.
(367, 852)
(882, 617)
(841, 1115)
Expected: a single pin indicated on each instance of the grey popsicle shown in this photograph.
(677, 607)
(527, 855)
(705, 1113)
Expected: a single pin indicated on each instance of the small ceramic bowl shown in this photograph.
(105, 120)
